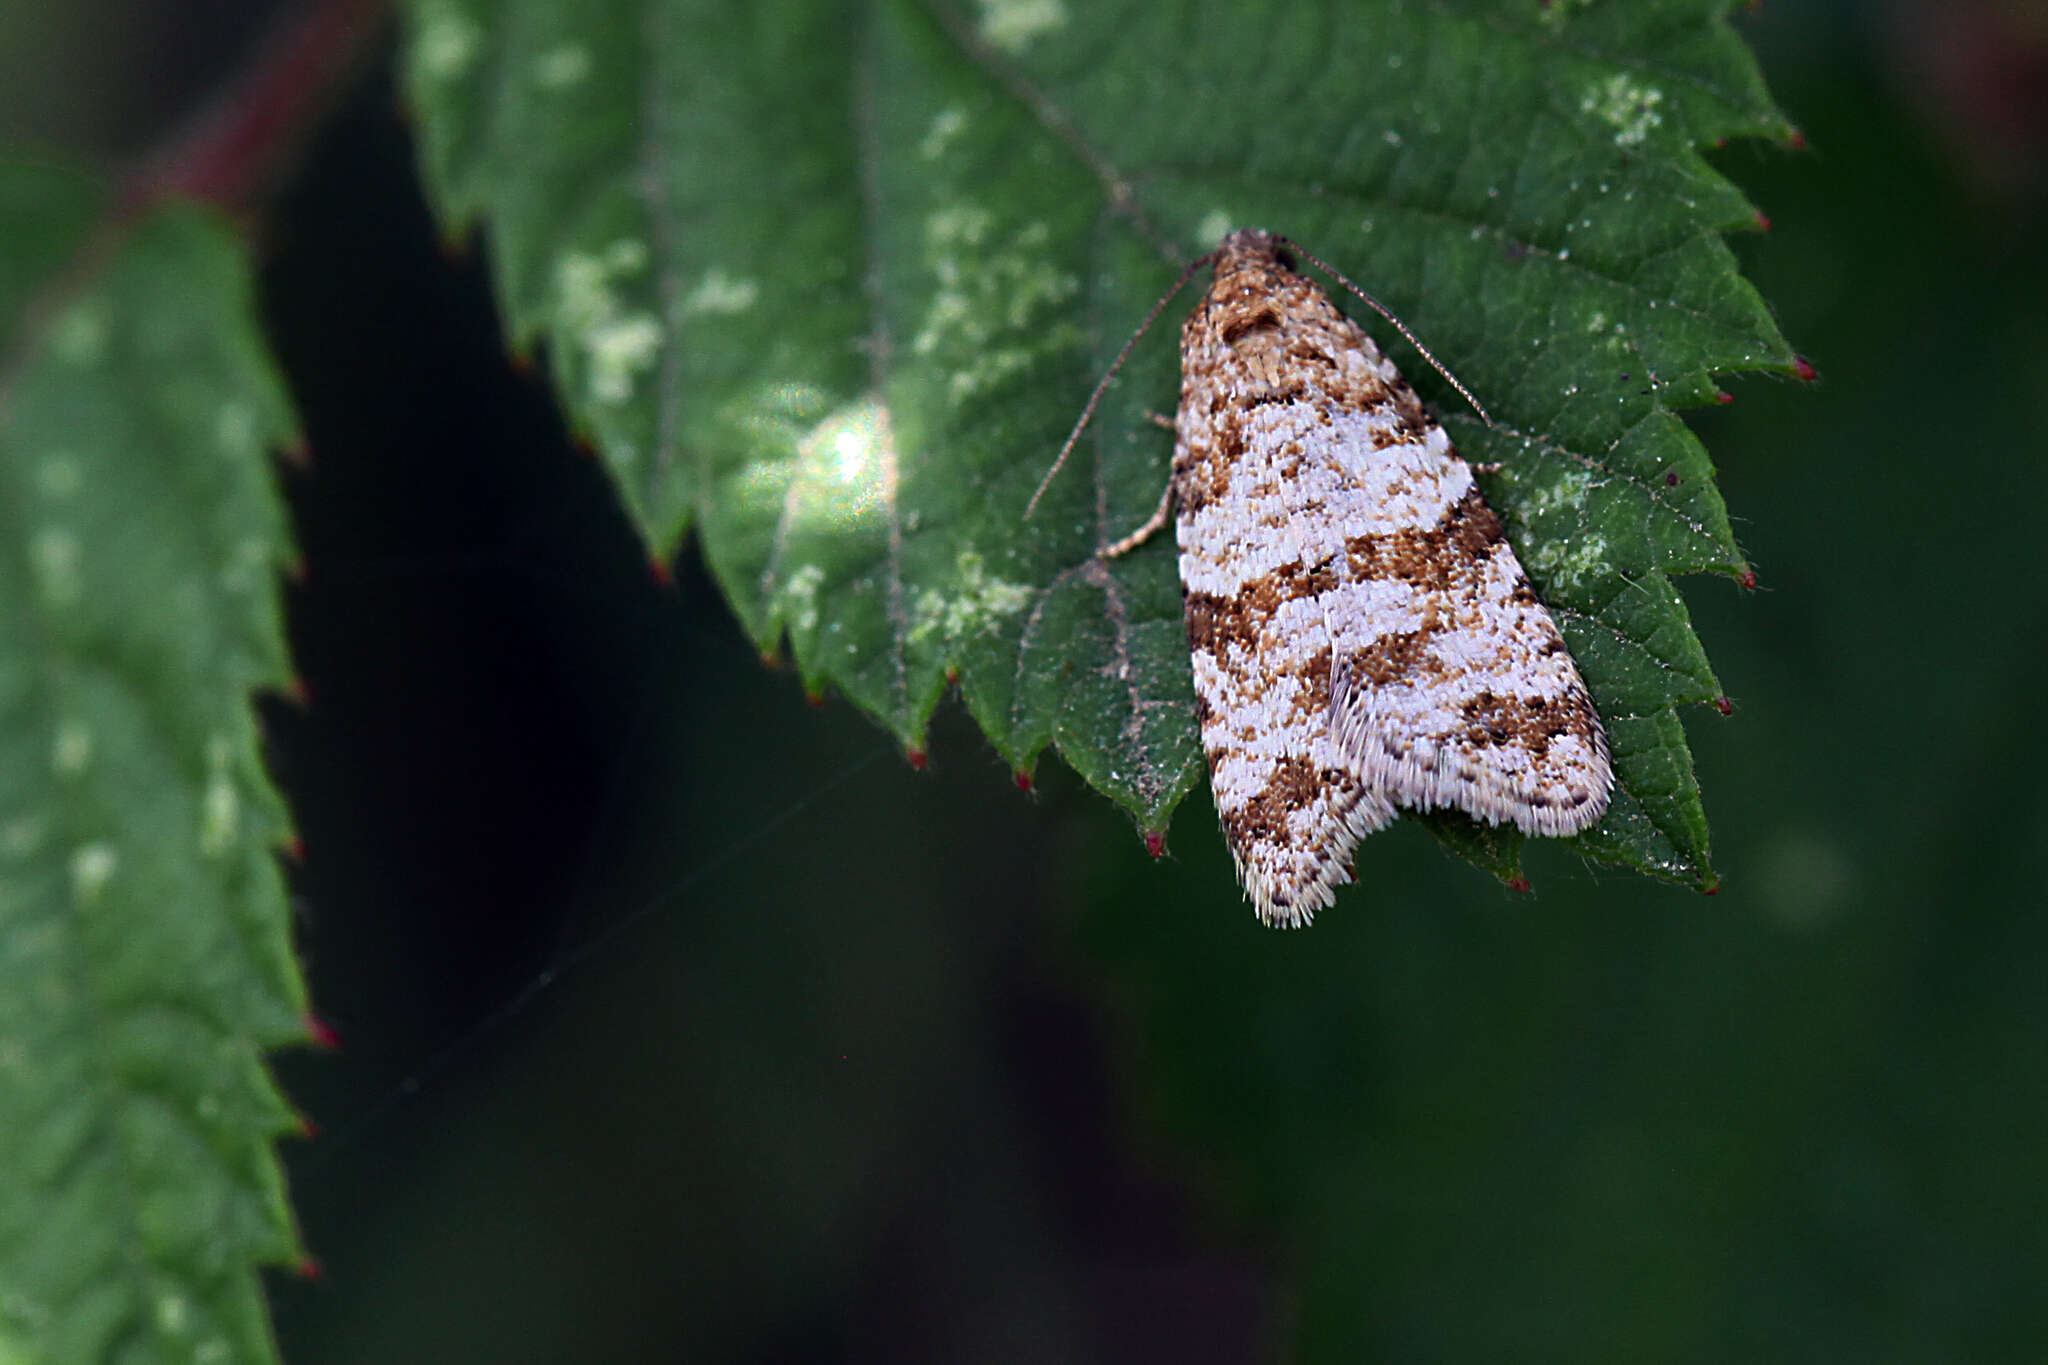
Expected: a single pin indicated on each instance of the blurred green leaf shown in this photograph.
(145, 962)
(829, 285)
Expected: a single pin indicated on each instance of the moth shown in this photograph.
(1363, 639)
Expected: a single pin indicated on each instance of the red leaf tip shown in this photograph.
(322, 1035)
(1803, 367)
(1724, 706)
(664, 577)
(1748, 579)
(917, 758)
(1763, 221)
(1723, 397)
(1023, 780)
(310, 1270)
(1155, 842)
(1520, 884)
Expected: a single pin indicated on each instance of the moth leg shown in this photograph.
(1145, 532)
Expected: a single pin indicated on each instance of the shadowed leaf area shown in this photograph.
(827, 285)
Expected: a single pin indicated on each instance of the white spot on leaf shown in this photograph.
(92, 867)
(945, 128)
(1626, 106)
(994, 311)
(1568, 563)
(58, 561)
(1566, 491)
(619, 343)
(800, 592)
(1011, 25)
(71, 750)
(561, 67)
(975, 607)
(720, 293)
(620, 349)
(957, 225)
(172, 1314)
(447, 42)
(220, 805)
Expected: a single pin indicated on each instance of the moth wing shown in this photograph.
(1292, 810)
(1293, 803)
(1459, 691)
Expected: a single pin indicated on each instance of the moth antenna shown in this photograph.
(1399, 325)
(1115, 365)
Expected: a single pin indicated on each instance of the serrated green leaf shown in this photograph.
(144, 950)
(829, 284)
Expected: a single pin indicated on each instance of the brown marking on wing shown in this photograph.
(1400, 657)
(1532, 723)
(1471, 526)
(1450, 556)
(1314, 672)
(1215, 622)
(1295, 784)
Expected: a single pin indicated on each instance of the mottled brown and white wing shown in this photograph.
(1293, 804)
(1458, 690)
(1363, 637)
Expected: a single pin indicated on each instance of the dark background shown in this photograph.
(682, 1018)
